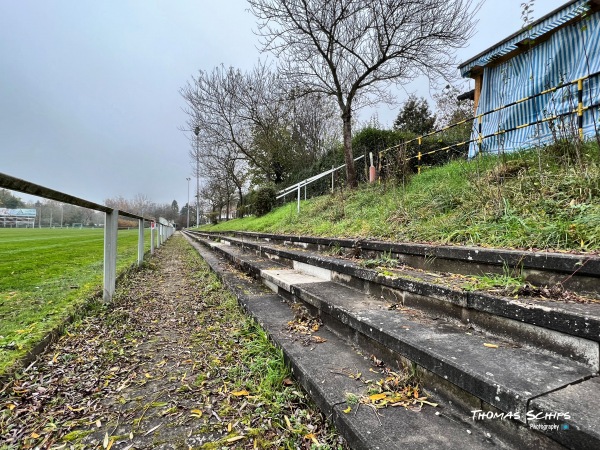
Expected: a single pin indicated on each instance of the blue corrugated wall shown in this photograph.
(571, 53)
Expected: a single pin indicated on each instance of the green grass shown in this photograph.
(45, 275)
(535, 199)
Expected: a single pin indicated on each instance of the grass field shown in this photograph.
(45, 274)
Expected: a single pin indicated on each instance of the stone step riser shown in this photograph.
(373, 342)
(434, 301)
(577, 273)
(469, 391)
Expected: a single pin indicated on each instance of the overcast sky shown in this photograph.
(89, 90)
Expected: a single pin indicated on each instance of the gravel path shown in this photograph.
(173, 363)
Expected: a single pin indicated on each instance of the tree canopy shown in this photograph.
(352, 50)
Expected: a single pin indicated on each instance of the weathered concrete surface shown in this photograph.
(537, 266)
(581, 429)
(511, 377)
(577, 320)
(321, 370)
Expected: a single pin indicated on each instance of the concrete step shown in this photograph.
(507, 380)
(323, 371)
(577, 272)
(568, 329)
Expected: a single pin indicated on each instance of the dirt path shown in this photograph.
(172, 364)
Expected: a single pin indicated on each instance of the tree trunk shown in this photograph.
(351, 181)
(241, 204)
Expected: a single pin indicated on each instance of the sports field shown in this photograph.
(44, 275)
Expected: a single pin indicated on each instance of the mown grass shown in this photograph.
(45, 275)
(544, 198)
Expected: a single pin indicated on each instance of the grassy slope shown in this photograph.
(488, 201)
(44, 275)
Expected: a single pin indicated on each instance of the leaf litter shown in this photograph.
(172, 363)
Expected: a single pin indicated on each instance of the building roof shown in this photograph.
(540, 27)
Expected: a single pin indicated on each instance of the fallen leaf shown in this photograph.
(376, 397)
(348, 409)
(287, 421)
(240, 393)
(490, 345)
(196, 413)
(105, 443)
(318, 339)
(35, 435)
(235, 438)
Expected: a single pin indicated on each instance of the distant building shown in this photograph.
(15, 218)
(561, 47)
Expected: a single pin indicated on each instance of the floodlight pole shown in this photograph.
(197, 132)
(188, 203)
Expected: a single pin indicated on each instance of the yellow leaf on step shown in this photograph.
(348, 409)
(490, 345)
(377, 397)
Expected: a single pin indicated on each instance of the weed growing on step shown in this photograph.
(385, 260)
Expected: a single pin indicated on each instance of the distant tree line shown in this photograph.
(50, 213)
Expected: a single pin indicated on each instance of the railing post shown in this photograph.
(140, 242)
(419, 157)
(580, 108)
(332, 179)
(111, 223)
(152, 226)
(158, 233)
(298, 198)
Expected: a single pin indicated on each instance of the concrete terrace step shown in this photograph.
(509, 380)
(578, 272)
(569, 329)
(320, 369)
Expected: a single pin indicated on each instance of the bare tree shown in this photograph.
(354, 49)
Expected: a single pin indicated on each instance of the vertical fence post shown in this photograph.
(298, 198)
(152, 225)
(332, 179)
(479, 132)
(419, 157)
(140, 241)
(158, 235)
(580, 108)
(111, 224)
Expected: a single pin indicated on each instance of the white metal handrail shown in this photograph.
(110, 226)
(307, 181)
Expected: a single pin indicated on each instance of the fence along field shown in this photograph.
(46, 275)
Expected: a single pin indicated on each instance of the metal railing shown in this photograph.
(579, 110)
(480, 137)
(159, 232)
(302, 184)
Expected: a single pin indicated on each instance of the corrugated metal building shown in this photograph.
(559, 48)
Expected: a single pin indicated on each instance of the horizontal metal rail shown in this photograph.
(111, 216)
